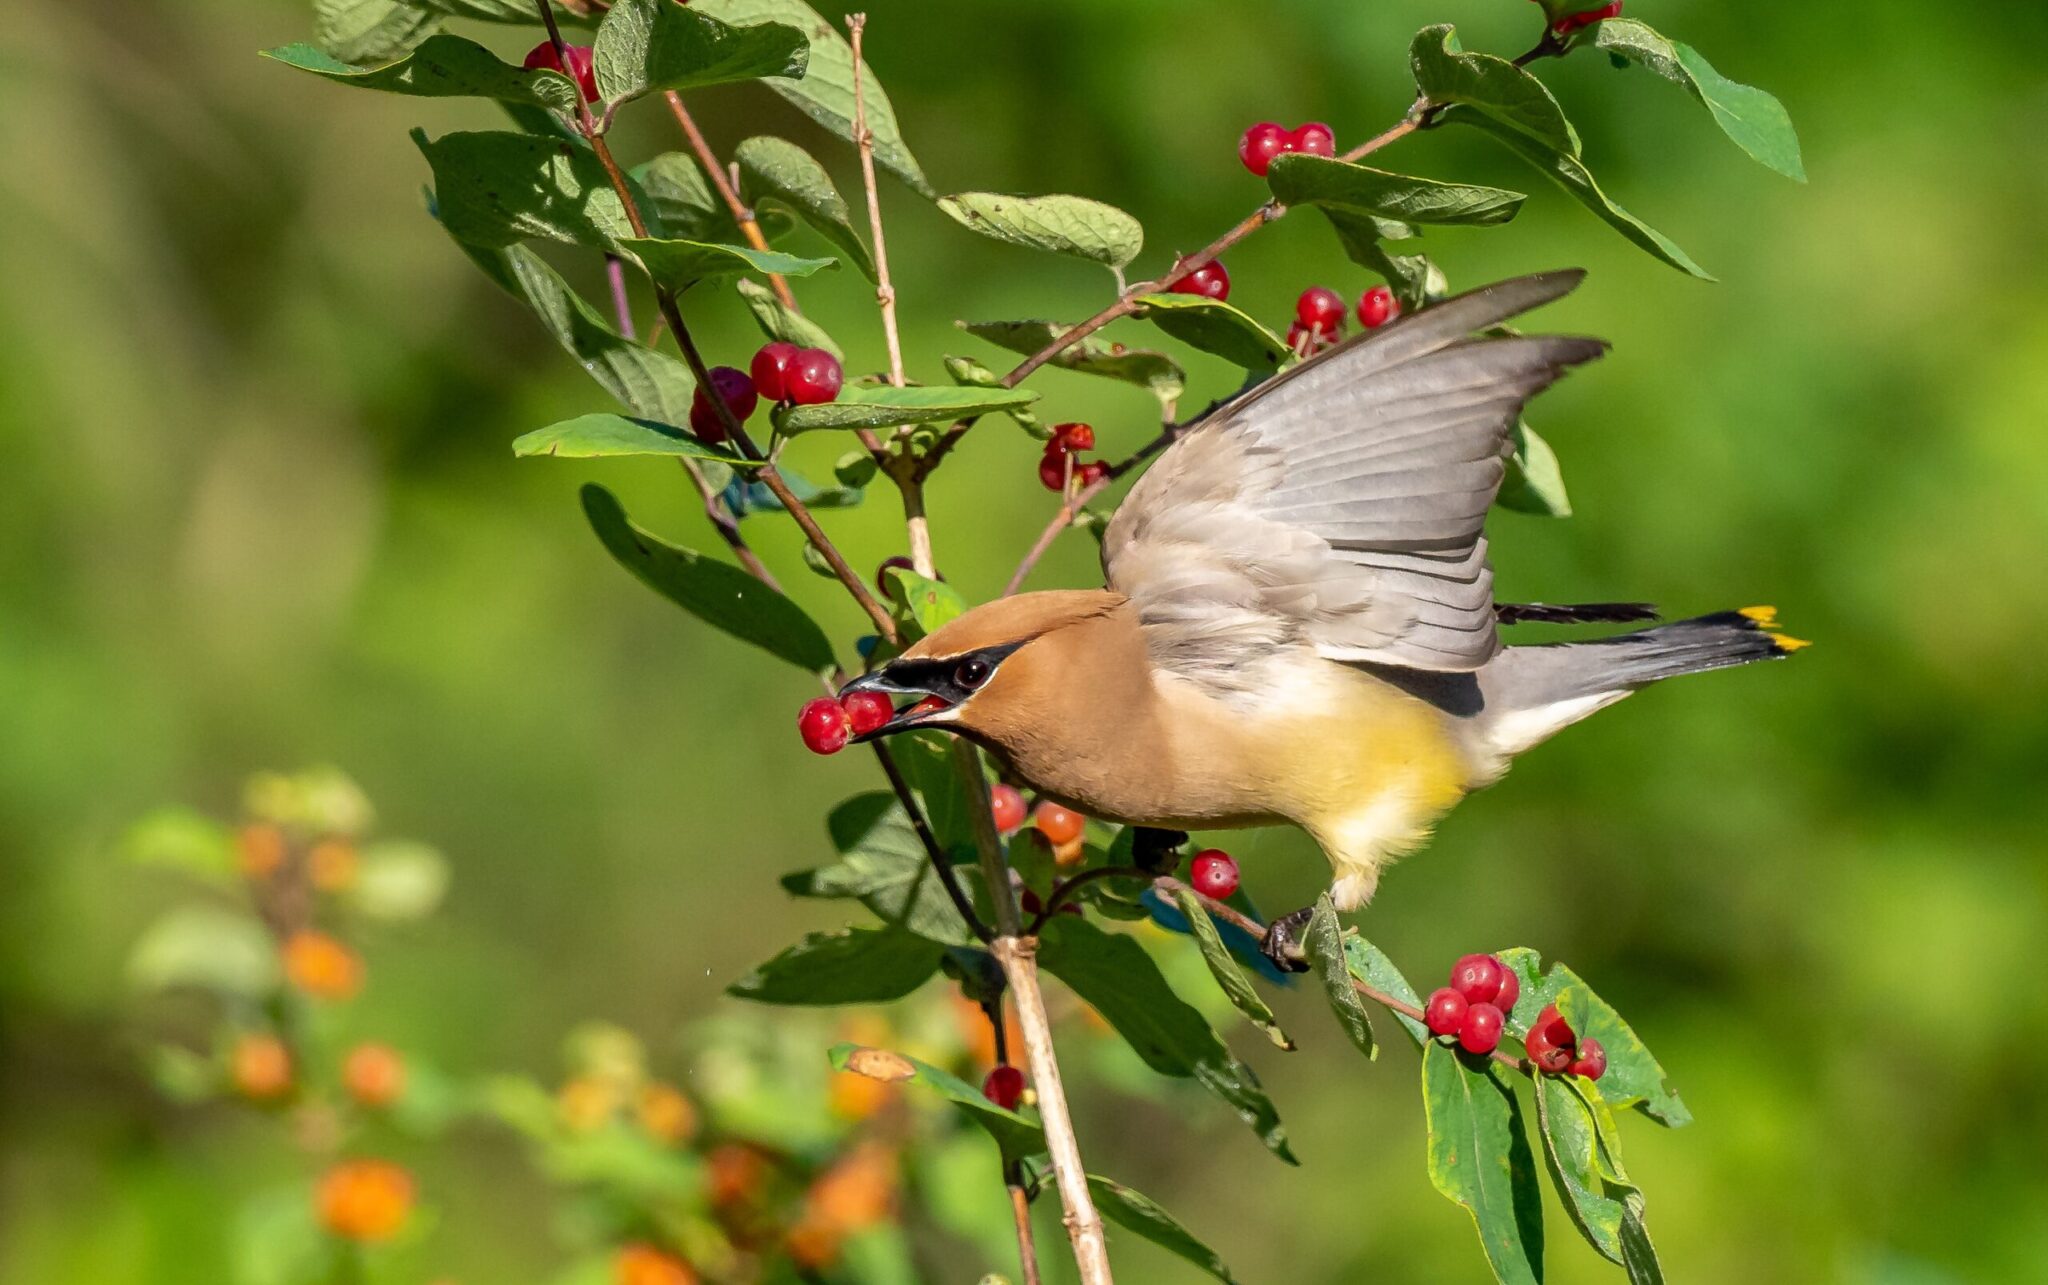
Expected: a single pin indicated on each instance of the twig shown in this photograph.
(864, 139)
(1062, 891)
(727, 527)
(1068, 510)
(1020, 1209)
(749, 226)
(622, 306)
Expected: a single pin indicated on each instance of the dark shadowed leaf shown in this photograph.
(1216, 327)
(1534, 481)
(1134, 1211)
(886, 406)
(854, 966)
(744, 495)
(658, 44)
(604, 434)
(1116, 976)
(883, 864)
(715, 592)
(1359, 189)
(1755, 120)
(678, 265)
(442, 67)
(494, 188)
(1494, 87)
(1325, 944)
(1069, 225)
(1634, 1077)
(1154, 371)
(370, 31)
(1016, 1136)
(825, 93)
(776, 170)
(1479, 1157)
(1236, 986)
(1571, 1147)
(778, 322)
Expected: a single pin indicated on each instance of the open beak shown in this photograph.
(916, 705)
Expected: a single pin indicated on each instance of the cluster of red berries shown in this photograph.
(1319, 315)
(780, 372)
(827, 724)
(579, 66)
(1266, 140)
(1058, 466)
(1556, 1050)
(1474, 1008)
(1575, 21)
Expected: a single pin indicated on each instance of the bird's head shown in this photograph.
(984, 671)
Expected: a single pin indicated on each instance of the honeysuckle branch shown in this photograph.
(622, 305)
(1069, 509)
(1020, 1213)
(727, 527)
(749, 226)
(864, 141)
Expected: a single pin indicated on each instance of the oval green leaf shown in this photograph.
(601, 435)
(1216, 327)
(774, 169)
(1755, 120)
(1069, 225)
(1479, 1157)
(1236, 987)
(886, 406)
(678, 265)
(1361, 189)
(1534, 481)
(644, 45)
(495, 188)
(854, 966)
(442, 67)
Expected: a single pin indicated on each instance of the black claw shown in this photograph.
(1157, 852)
(1283, 941)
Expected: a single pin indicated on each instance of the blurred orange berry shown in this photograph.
(646, 1265)
(856, 1097)
(737, 1173)
(364, 1200)
(374, 1075)
(666, 1114)
(331, 864)
(1061, 825)
(260, 850)
(321, 966)
(260, 1067)
(813, 1245)
(858, 1191)
(1071, 853)
(586, 1102)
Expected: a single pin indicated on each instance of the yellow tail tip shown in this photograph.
(1788, 643)
(1762, 615)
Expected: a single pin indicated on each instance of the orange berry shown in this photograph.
(321, 966)
(1071, 853)
(666, 1114)
(364, 1200)
(374, 1075)
(331, 864)
(813, 1245)
(586, 1103)
(260, 850)
(261, 1067)
(737, 1173)
(858, 1191)
(645, 1265)
(1058, 824)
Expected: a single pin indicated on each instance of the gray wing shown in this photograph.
(1343, 503)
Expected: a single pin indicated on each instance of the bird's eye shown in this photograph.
(973, 672)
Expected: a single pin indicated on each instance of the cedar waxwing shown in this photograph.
(1299, 623)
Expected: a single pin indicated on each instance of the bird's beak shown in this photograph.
(916, 705)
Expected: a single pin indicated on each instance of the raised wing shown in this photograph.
(1343, 503)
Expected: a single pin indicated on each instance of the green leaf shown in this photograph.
(1755, 120)
(1571, 1149)
(1216, 327)
(184, 840)
(1325, 944)
(1136, 1212)
(1016, 1137)
(1236, 986)
(399, 879)
(1414, 280)
(206, 948)
(516, 12)
(689, 208)
(1117, 977)
(1570, 173)
(1534, 482)
(855, 966)
(1369, 964)
(928, 603)
(367, 31)
(1494, 87)
(443, 67)
(1479, 1157)
(644, 45)
(494, 188)
(774, 169)
(1634, 1077)
(825, 93)
(778, 322)
(678, 265)
(1322, 181)
(883, 864)
(1154, 371)
(1069, 225)
(886, 406)
(604, 434)
(720, 595)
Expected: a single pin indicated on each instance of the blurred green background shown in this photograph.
(257, 507)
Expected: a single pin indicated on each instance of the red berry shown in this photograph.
(896, 563)
(1321, 310)
(866, 711)
(813, 377)
(1567, 25)
(1052, 468)
(1210, 281)
(1510, 990)
(770, 369)
(1550, 1042)
(1061, 825)
(1377, 307)
(1445, 1012)
(1592, 1059)
(1301, 339)
(1260, 144)
(824, 725)
(1480, 1031)
(1478, 978)
(581, 66)
(1074, 437)
(1213, 873)
(1008, 806)
(1004, 1086)
(735, 390)
(1092, 472)
(1313, 139)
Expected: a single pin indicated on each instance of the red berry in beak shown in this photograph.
(1445, 1012)
(824, 725)
(1213, 873)
(866, 711)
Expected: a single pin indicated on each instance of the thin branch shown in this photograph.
(1064, 891)
(622, 306)
(942, 861)
(1068, 510)
(864, 139)
(749, 226)
(726, 525)
(1020, 1210)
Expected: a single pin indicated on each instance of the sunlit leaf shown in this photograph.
(689, 208)
(853, 966)
(776, 170)
(399, 879)
(1322, 181)
(1754, 119)
(1634, 1077)
(205, 948)
(1534, 481)
(442, 67)
(1235, 985)
(1479, 1157)
(603, 434)
(1325, 948)
(644, 45)
(778, 322)
(370, 31)
(678, 265)
(184, 840)
(886, 406)
(1069, 225)
(494, 188)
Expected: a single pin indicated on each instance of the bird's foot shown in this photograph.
(1283, 943)
(1157, 852)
